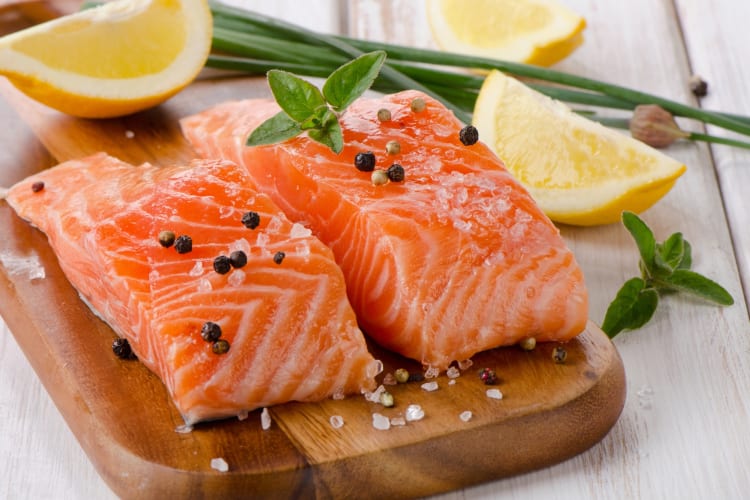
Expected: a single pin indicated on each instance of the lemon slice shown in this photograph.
(540, 32)
(111, 60)
(577, 170)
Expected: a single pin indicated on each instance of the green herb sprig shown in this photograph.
(304, 107)
(665, 268)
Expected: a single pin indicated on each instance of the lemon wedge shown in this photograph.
(578, 171)
(111, 60)
(540, 32)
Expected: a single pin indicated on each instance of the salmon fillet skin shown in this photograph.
(290, 330)
(454, 259)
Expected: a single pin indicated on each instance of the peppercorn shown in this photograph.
(488, 376)
(402, 375)
(469, 135)
(417, 105)
(222, 264)
(251, 220)
(386, 399)
(238, 259)
(365, 161)
(396, 173)
(183, 244)
(393, 147)
(528, 344)
(379, 177)
(221, 346)
(278, 257)
(166, 238)
(698, 86)
(559, 354)
(37, 186)
(210, 331)
(121, 348)
(384, 115)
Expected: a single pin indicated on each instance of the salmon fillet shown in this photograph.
(456, 259)
(291, 331)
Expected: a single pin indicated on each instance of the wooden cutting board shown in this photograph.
(124, 420)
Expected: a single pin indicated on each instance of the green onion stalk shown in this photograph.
(253, 43)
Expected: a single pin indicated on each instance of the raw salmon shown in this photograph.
(455, 259)
(291, 331)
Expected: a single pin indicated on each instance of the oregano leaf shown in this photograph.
(330, 135)
(687, 256)
(352, 79)
(632, 308)
(669, 254)
(696, 284)
(297, 97)
(644, 239)
(276, 129)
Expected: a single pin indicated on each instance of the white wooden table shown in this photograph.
(685, 429)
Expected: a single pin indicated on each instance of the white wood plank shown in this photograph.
(688, 368)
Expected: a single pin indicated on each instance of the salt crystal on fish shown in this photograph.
(219, 464)
(465, 364)
(299, 231)
(374, 396)
(414, 413)
(431, 372)
(237, 278)
(265, 419)
(336, 421)
(197, 269)
(204, 285)
(380, 422)
(453, 372)
(494, 394)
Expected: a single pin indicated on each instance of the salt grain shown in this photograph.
(242, 414)
(219, 464)
(265, 419)
(494, 394)
(184, 429)
(374, 396)
(299, 231)
(197, 269)
(431, 372)
(645, 397)
(465, 364)
(452, 381)
(380, 422)
(389, 379)
(414, 413)
(129, 134)
(337, 422)
(237, 278)
(453, 372)
(398, 421)
(465, 416)
(430, 386)
(204, 285)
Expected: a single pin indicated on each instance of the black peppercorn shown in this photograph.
(183, 244)
(469, 135)
(221, 346)
(210, 332)
(238, 259)
(222, 264)
(396, 173)
(365, 161)
(37, 186)
(278, 257)
(251, 220)
(559, 355)
(698, 86)
(166, 238)
(121, 348)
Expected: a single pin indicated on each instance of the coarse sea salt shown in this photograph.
(494, 394)
(381, 422)
(465, 364)
(414, 413)
(453, 372)
(374, 396)
(237, 278)
(242, 414)
(430, 386)
(265, 419)
(184, 429)
(465, 416)
(398, 421)
(197, 269)
(389, 379)
(336, 421)
(219, 464)
(431, 372)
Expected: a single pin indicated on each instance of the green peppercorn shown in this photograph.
(393, 147)
(37, 186)
(528, 344)
(402, 375)
(559, 354)
(210, 332)
(238, 259)
(251, 220)
(396, 173)
(386, 399)
(221, 346)
(379, 177)
(469, 135)
(222, 264)
(166, 238)
(183, 244)
(278, 257)
(365, 161)
(417, 105)
(384, 115)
